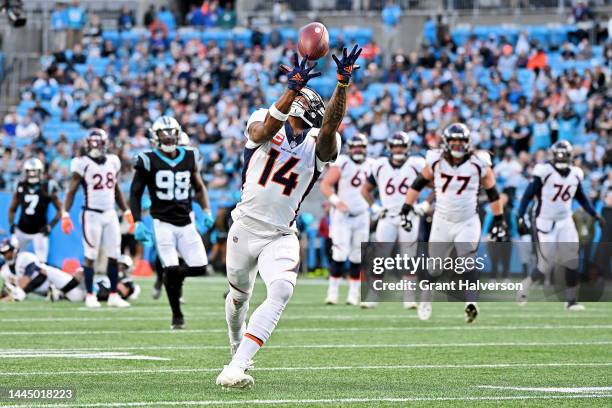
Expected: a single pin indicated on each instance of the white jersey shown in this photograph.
(393, 182)
(558, 191)
(457, 187)
(23, 265)
(276, 177)
(352, 177)
(99, 180)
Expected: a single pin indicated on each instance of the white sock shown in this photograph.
(527, 282)
(235, 318)
(263, 321)
(354, 287)
(334, 287)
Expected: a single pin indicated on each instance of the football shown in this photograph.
(313, 40)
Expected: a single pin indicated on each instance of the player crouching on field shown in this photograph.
(556, 184)
(457, 172)
(349, 218)
(23, 273)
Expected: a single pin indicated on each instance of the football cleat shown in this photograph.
(352, 300)
(471, 312)
(424, 311)
(54, 294)
(410, 305)
(178, 323)
(574, 307)
(235, 377)
(91, 301)
(136, 293)
(368, 305)
(331, 300)
(114, 300)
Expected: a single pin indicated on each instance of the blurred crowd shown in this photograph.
(516, 101)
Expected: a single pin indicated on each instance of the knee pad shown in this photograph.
(335, 268)
(280, 291)
(239, 297)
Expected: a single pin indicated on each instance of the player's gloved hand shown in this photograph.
(129, 218)
(523, 228)
(205, 223)
(421, 208)
(499, 232)
(12, 229)
(346, 65)
(143, 234)
(67, 225)
(405, 221)
(46, 230)
(299, 75)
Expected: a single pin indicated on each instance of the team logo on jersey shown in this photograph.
(278, 139)
(235, 239)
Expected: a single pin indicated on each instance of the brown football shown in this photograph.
(313, 40)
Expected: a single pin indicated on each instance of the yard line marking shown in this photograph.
(308, 401)
(219, 314)
(338, 346)
(313, 329)
(314, 368)
(551, 389)
(71, 354)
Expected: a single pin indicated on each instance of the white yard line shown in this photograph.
(64, 354)
(335, 401)
(332, 346)
(571, 390)
(315, 329)
(314, 368)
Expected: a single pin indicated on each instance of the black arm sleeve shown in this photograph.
(492, 194)
(419, 183)
(534, 188)
(371, 179)
(584, 201)
(136, 190)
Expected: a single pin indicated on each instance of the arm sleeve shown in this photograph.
(584, 201)
(534, 188)
(136, 190)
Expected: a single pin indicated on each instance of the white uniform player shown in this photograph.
(457, 174)
(555, 185)
(98, 173)
(23, 273)
(349, 217)
(392, 176)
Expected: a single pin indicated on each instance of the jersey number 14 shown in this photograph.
(172, 186)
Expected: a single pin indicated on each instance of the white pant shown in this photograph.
(347, 233)
(388, 229)
(557, 244)
(275, 256)
(101, 230)
(59, 279)
(172, 240)
(39, 241)
(447, 235)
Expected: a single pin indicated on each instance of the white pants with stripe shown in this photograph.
(40, 243)
(347, 233)
(172, 241)
(557, 244)
(101, 231)
(446, 235)
(275, 256)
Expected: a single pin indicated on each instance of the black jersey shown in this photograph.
(169, 184)
(34, 200)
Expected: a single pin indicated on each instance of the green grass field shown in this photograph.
(318, 356)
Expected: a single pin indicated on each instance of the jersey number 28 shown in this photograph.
(172, 186)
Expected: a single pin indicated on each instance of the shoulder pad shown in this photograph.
(433, 156)
(542, 170)
(578, 172)
(483, 156)
(143, 158)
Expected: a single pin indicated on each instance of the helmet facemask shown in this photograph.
(456, 140)
(167, 139)
(562, 157)
(96, 146)
(309, 107)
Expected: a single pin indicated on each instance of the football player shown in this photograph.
(24, 273)
(126, 287)
(392, 176)
(98, 172)
(349, 219)
(288, 146)
(33, 195)
(170, 172)
(457, 173)
(556, 184)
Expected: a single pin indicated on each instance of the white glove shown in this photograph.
(421, 208)
(15, 291)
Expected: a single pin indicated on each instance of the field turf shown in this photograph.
(320, 355)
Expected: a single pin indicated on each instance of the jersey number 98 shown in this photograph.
(172, 186)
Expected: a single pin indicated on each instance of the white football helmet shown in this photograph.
(127, 261)
(96, 141)
(165, 133)
(33, 170)
(308, 106)
(183, 139)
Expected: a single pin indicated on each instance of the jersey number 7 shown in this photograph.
(280, 175)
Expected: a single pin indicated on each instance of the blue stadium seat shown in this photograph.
(324, 85)
(360, 35)
(112, 35)
(188, 34)
(288, 33)
(460, 34)
(540, 34)
(219, 36)
(557, 33)
(242, 35)
(335, 34)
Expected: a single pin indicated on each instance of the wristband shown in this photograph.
(343, 85)
(276, 114)
(334, 199)
(65, 214)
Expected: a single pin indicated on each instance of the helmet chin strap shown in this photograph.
(167, 148)
(95, 153)
(400, 157)
(457, 155)
(358, 157)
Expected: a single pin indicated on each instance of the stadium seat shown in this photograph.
(289, 33)
(461, 33)
(221, 37)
